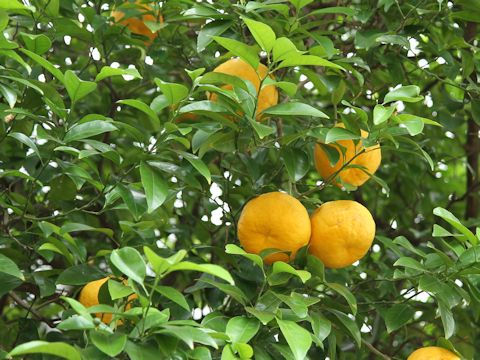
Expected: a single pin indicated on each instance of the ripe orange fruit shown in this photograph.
(137, 24)
(274, 220)
(267, 97)
(432, 353)
(369, 160)
(89, 297)
(342, 233)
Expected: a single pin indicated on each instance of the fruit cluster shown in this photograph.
(339, 233)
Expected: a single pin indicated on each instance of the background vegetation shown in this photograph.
(100, 175)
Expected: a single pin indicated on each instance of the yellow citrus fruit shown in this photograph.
(433, 353)
(89, 297)
(369, 160)
(342, 233)
(268, 96)
(137, 24)
(274, 220)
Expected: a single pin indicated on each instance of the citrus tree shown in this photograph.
(239, 179)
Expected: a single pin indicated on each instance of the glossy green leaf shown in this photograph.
(110, 344)
(156, 188)
(198, 164)
(297, 59)
(140, 105)
(211, 269)
(338, 133)
(108, 71)
(382, 113)
(262, 33)
(298, 339)
(397, 316)
(239, 49)
(129, 261)
(241, 329)
(87, 130)
(77, 88)
(295, 109)
(174, 295)
(39, 44)
(59, 349)
(173, 92)
(409, 93)
(8, 266)
(26, 141)
(452, 220)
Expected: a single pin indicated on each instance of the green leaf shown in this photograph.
(76, 322)
(156, 188)
(414, 125)
(282, 267)
(338, 133)
(299, 4)
(298, 339)
(214, 28)
(108, 71)
(264, 316)
(321, 326)
(4, 19)
(283, 48)
(174, 93)
(297, 59)
(409, 93)
(333, 10)
(403, 242)
(77, 88)
(59, 349)
(350, 325)
(393, 39)
(397, 316)
(236, 250)
(294, 109)
(24, 139)
(135, 205)
(347, 295)
(239, 49)
(382, 113)
(110, 344)
(158, 263)
(78, 307)
(8, 266)
(39, 44)
(204, 106)
(205, 268)
(241, 329)
(296, 162)
(289, 87)
(174, 295)
(88, 129)
(117, 290)
(409, 262)
(198, 164)
(447, 319)
(140, 105)
(260, 129)
(129, 261)
(262, 33)
(9, 94)
(79, 275)
(74, 227)
(14, 56)
(452, 220)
